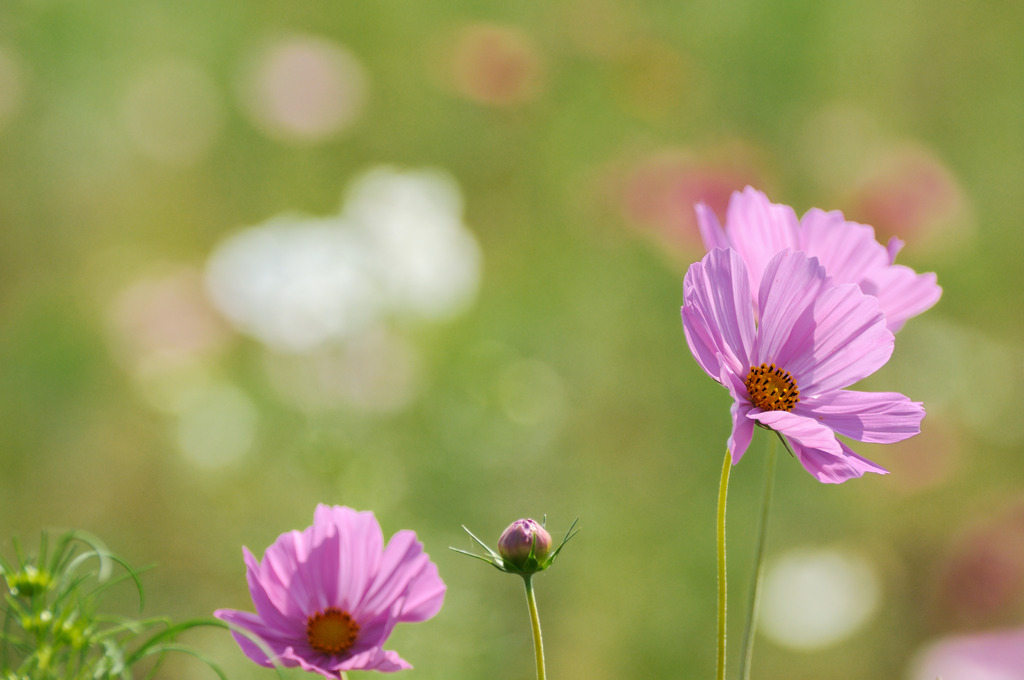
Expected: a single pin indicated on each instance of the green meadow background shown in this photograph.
(136, 136)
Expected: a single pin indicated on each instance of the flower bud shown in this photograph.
(525, 545)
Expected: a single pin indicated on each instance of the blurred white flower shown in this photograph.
(397, 250)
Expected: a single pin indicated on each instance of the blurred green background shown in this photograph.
(181, 394)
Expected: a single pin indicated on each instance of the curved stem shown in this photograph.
(723, 490)
(538, 643)
(747, 652)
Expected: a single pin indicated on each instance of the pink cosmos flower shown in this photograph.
(758, 229)
(787, 372)
(328, 597)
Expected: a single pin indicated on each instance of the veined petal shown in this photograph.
(711, 231)
(847, 250)
(758, 229)
(716, 312)
(742, 425)
(841, 341)
(276, 641)
(425, 596)
(789, 289)
(902, 293)
(881, 417)
(816, 447)
(832, 469)
(402, 563)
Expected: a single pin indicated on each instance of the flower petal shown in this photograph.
(402, 564)
(717, 317)
(274, 640)
(711, 231)
(826, 336)
(882, 417)
(791, 285)
(902, 293)
(816, 447)
(742, 425)
(758, 229)
(847, 250)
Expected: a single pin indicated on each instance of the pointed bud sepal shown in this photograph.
(524, 548)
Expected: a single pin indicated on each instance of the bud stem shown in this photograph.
(723, 490)
(538, 643)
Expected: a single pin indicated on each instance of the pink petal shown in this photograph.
(403, 562)
(742, 425)
(789, 290)
(847, 250)
(269, 596)
(758, 229)
(717, 317)
(882, 417)
(274, 640)
(816, 447)
(360, 546)
(711, 231)
(826, 336)
(425, 596)
(902, 293)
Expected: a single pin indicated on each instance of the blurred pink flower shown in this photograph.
(494, 65)
(995, 655)
(758, 229)
(788, 371)
(328, 597)
(911, 193)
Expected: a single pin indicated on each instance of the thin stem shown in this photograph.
(723, 490)
(747, 652)
(538, 643)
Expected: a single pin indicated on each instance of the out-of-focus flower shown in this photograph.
(981, 582)
(993, 655)
(788, 372)
(494, 65)
(908, 192)
(399, 249)
(758, 229)
(304, 89)
(328, 597)
(522, 541)
(657, 193)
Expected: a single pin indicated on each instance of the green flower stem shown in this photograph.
(723, 491)
(755, 583)
(538, 643)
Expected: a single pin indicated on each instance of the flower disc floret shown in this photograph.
(811, 333)
(771, 388)
(328, 597)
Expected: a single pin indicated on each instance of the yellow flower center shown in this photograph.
(771, 388)
(331, 631)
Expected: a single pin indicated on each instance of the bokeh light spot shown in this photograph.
(216, 425)
(813, 598)
(304, 89)
(173, 113)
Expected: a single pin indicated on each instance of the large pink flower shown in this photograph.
(328, 597)
(758, 229)
(788, 371)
